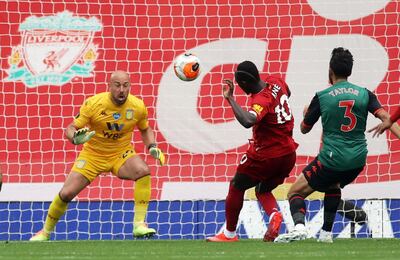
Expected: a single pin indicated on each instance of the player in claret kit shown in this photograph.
(272, 152)
(392, 125)
(343, 108)
(112, 116)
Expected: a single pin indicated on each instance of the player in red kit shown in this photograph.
(272, 152)
(390, 124)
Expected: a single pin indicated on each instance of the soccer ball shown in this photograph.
(187, 67)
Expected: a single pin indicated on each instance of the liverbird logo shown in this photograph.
(53, 58)
(54, 50)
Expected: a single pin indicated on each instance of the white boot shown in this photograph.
(298, 233)
(325, 237)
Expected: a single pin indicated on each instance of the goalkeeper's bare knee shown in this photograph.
(66, 196)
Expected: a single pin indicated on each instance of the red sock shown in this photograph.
(268, 202)
(233, 205)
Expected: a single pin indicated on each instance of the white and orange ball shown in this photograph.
(187, 67)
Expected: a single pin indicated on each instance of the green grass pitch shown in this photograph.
(196, 249)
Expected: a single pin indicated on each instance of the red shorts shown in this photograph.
(271, 171)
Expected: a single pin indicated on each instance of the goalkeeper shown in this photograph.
(104, 125)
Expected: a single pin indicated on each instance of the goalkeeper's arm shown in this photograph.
(150, 142)
(78, 136)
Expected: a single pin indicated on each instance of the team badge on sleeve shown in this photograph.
(80, 164)
(257, 108)
(129, 114)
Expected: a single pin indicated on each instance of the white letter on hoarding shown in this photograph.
(177, 116)
(308, 73)
(345, 10)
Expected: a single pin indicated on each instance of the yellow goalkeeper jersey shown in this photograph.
(113, 124)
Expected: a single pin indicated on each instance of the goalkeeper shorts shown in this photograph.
(91, 165)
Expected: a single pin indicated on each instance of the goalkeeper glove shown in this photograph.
(82, 135)
(156, 153)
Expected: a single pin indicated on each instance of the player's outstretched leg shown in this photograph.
(298, 233)
(331, 202)
(355, 214)
(325, 237)
(142, 198)
(40, 236)
(142, 230)
(221, 237)
(56, 210)
(268, 202)
(233, 205)
(298, 211)
(275, 221)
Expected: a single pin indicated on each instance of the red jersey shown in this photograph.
(273, 130)
(396, 115)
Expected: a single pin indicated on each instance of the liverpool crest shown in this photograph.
(54, 50)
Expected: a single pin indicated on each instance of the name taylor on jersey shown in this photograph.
(338, 91)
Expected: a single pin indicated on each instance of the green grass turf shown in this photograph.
(196, 249)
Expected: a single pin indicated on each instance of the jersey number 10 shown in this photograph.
(283, 112)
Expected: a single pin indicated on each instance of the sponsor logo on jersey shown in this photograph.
(114, 126)
(111, 135)
(116, 115)
(54, 50)
(257, 108)
(129, 114)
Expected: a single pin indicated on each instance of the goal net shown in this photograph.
(55, 54)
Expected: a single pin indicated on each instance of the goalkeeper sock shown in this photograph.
(142, 198)
(267, 201)
(331, 203)
(56, 210)
(297, 208)
(233, 205)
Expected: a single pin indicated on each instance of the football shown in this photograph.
(187, 67)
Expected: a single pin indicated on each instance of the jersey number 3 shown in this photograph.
(283, 112)
(348, 104)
